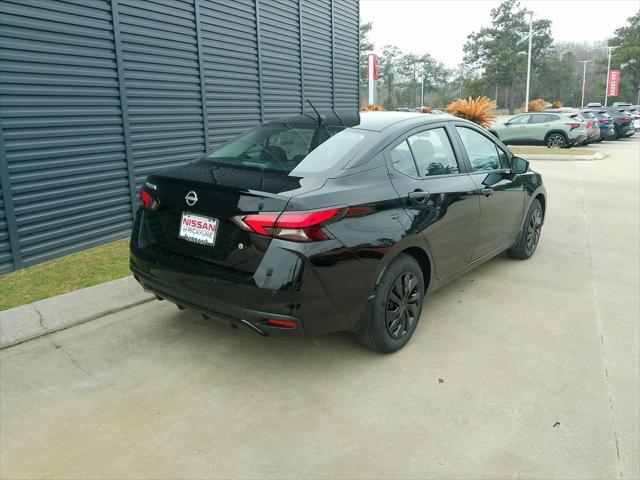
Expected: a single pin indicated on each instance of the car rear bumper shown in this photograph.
(292, 284)
(199, 295)
(579, 139)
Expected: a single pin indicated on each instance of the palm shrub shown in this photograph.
(557, 104)
(479, 110)
(372, 108)
(537, 105)
(426, 110)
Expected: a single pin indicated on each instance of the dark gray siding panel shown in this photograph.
(160, 57)
(6, 261)
(280, 51)
(316, 34)
(90, 107)
(62, 126)
(230, 54)
(345, 35)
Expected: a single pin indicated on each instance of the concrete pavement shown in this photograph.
(517, 370)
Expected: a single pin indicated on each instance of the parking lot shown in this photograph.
(517, 370)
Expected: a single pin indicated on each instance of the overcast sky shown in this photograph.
(440, 27)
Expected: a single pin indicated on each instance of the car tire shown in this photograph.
(529, 236)
(557, 140)
(616, 133)
(396, 307)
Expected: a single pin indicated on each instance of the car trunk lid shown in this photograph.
(217, 193)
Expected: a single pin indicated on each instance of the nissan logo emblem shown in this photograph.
(191, 198)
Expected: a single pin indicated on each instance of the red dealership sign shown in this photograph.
(372, 66)
(614, 83)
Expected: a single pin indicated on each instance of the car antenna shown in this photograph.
(340, 118)
(315, 110)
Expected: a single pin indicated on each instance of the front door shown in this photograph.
(516, 130)
(438, 197)
(501, 193)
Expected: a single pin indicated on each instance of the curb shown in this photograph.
(535, 156)
(27, 322)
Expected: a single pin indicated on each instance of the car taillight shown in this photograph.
(282, 323)
(588, 123)
(625, 119)
(148, 200)
(295, 226)
(603, 120)
(574, 125)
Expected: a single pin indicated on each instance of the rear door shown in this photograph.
(538, 126)
(438, 195)
(501, 193)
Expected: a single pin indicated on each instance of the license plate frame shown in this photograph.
(200, 229)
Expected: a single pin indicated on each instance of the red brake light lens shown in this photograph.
(574, 125)
(282, 323)
(148, 200)
(261, 223)
(295, 226)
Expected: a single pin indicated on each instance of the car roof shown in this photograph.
(379, 121)
(376, 121)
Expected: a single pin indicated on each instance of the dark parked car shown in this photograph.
(305, 227)
(605, 123)
(622, 122)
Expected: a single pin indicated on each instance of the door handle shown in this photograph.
(487, 191)
(418, 196)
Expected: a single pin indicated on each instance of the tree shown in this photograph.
(499, 51)
(388, 64)
(627, 56)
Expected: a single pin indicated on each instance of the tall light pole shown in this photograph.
(606, 92)
(422, 88)
(526, 105)
(584, 78)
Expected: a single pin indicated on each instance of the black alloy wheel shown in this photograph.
(396, 307)
(402, 305)
(530, 234)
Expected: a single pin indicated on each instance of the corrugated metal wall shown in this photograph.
(96, 94)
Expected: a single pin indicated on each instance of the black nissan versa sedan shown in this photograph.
(320, 223)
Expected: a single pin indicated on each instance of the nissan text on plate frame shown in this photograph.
(337, 222)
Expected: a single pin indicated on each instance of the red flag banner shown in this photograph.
(373, 66)
(614, 83)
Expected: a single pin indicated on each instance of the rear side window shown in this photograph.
(433, 153)
(482, 152)
(552, 118)
(402, 160)
(520, 120)
(538, 119)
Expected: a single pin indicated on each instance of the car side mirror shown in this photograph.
(519, 165)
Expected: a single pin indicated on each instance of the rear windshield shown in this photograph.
(299, 150)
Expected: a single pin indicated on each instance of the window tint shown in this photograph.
(482, 152)
(552, 118)
(342, 145)
(538, 118)
(520, 120)
(402, 160)
(433, 153)
(284, 148)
